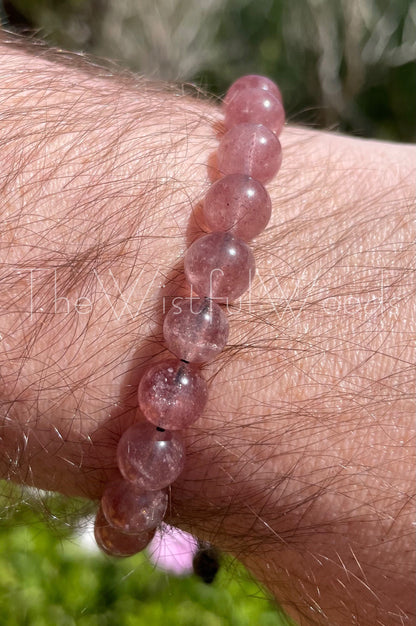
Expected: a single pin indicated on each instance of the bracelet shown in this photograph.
(218, 268)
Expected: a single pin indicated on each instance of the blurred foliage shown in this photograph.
(344, 64)
(47, 578)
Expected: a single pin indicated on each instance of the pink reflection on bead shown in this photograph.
(130, 510)
(253, 80)
(255, 106)
(250, 149)
(219, 266)
(239, 204)
(150, 458)
(172, 394)
(114, 542)
(195, 330)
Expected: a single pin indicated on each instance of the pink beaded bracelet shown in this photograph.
(219, 267)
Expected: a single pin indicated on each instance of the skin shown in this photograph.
(302, 463)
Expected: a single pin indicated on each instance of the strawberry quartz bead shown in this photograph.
(219, 266)
(195, 330)
(114, 542)
(130, 510)
(255, 106)
(150, 458)
(238, 204)
(250, 149)
(172, 394)
(253, 80)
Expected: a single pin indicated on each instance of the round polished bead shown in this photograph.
(239, 204)
(130, 510)
(195, 330)
(172, 394)
(250, 149)
(252, 80)
(219, 266)
(150, 458)
(255, 106)
(114, 542)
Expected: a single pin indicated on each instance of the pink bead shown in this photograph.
(172, 394)
(114, 542)
(255, 106)
(219, 266)
(253, 80)
(250, 149)
(239, 204)
(130, 510)
(150, 458)
(195, 330)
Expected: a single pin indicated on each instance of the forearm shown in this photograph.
(315, 458)
(300, 464)
(92, 179)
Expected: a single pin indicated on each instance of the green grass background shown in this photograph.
(48, 579)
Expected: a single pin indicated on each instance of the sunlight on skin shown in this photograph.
(301, 463)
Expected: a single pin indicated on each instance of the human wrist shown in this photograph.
(171, 184)
(93, 179)
(305, 445)
(281, 394)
